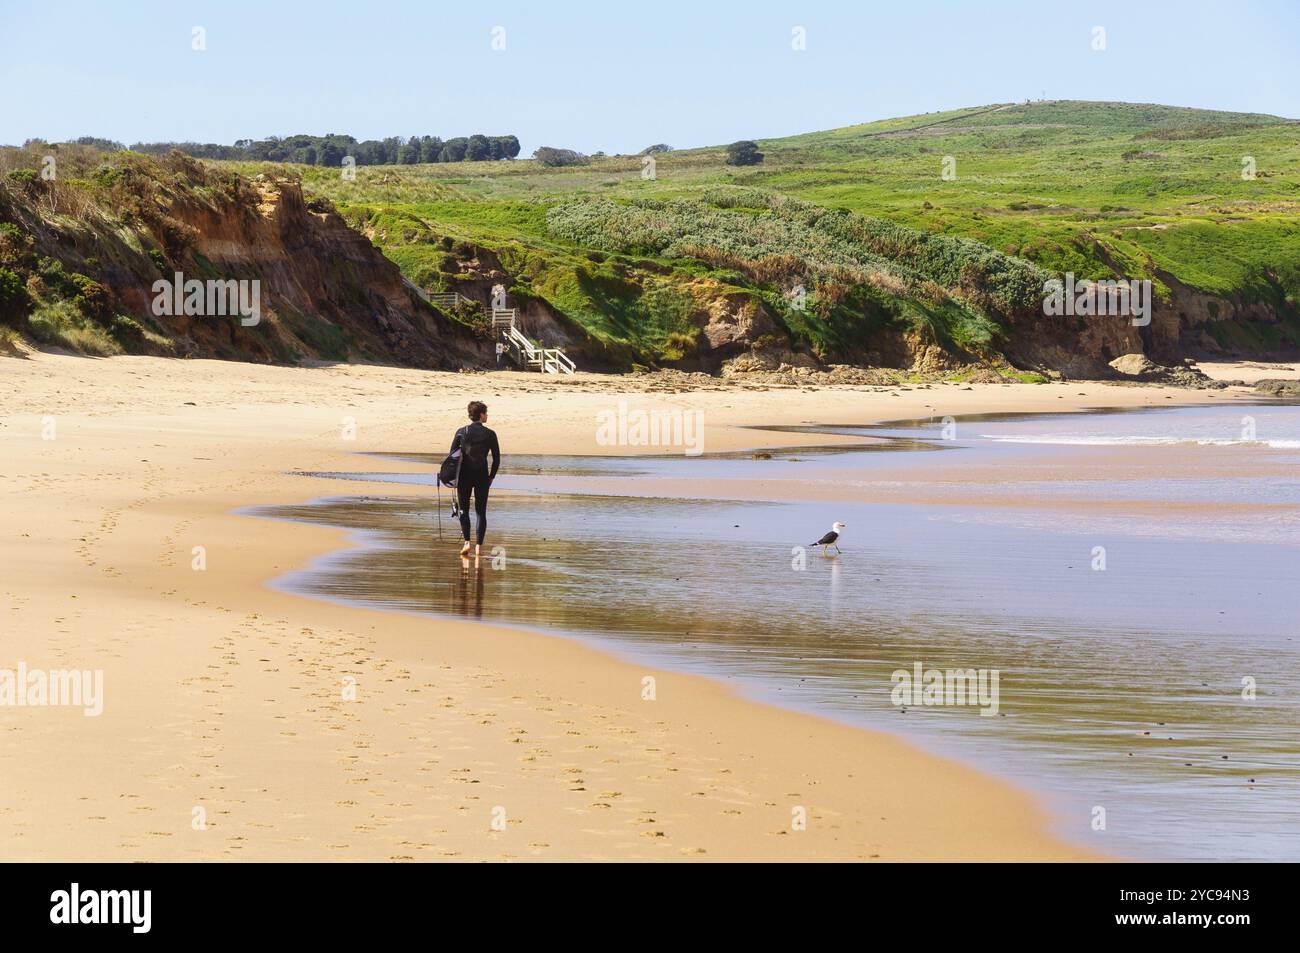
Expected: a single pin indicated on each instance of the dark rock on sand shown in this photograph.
(1140, 368)
(1275, 387)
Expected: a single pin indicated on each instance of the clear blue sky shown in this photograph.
(613, 76)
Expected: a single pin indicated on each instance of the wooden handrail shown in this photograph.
(548, 360)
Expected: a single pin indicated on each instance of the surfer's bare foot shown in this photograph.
(464, 550)
(478, 551)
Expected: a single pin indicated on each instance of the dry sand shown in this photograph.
(1250, 371)
(225, 699)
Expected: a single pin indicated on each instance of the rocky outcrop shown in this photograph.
(1139, 367)
(1193, 323)
(1135, 365)
(1275, 387)
(730, 323)
(1076, 346)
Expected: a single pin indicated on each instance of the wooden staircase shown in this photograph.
(448, 299)
(528, 354)
(525, 352)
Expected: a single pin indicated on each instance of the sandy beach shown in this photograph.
(244, 723)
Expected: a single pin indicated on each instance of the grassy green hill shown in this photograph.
(1075, 185)
(701, 257)
(1031, 179)
(1095, 188)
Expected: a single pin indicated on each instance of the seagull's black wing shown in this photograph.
(827, 539)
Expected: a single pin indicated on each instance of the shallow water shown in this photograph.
(1118, 687)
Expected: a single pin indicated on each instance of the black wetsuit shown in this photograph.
(475, 442)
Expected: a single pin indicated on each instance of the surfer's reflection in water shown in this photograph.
(469, 592)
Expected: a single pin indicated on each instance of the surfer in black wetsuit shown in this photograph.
(475, 442)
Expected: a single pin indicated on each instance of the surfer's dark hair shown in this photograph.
(477, 409)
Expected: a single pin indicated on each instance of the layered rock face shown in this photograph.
(323, 291)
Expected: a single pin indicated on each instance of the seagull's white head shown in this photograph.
(838, 527)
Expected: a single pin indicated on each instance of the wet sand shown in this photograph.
(227, 732)
(991, 574)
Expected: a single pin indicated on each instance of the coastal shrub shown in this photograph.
(105, 175)
(741, 198)
(62, 324)
(50, 271)
(126, 331)
(680, 344)
(548, 156)
(744, 152)
(24, 178)
(92, 299)
(9, 232)
(771, 237)
(14, 299)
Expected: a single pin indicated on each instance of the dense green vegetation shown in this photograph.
(550, 156)
(1066, 185)
(332, 150)
(56, 291)
(80, 251)
(938, 222)
(1099, 189)
(768, 234)
(744, 152)
(1077, 186)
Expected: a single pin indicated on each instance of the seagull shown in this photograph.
(831, 538)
